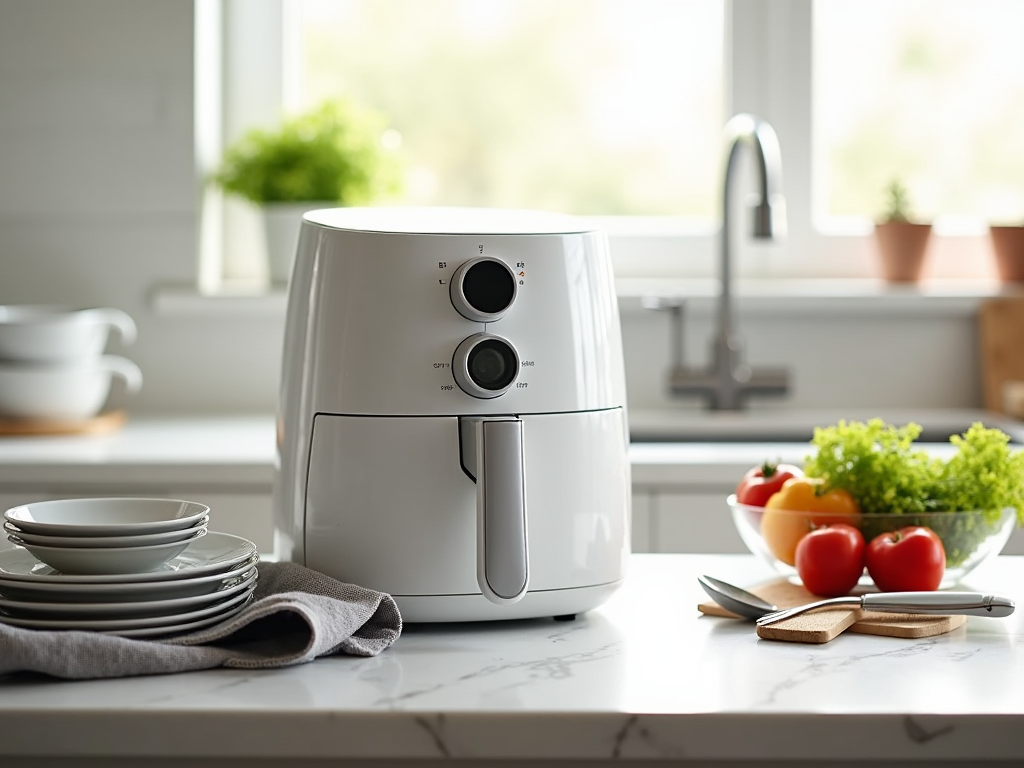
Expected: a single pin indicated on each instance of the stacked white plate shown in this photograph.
(131, 567)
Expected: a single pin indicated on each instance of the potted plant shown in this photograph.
(332, 155)
(902, 241)
(1008, 248)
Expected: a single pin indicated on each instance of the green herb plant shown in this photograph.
(897, 203)
(886, 473)
(335, 152)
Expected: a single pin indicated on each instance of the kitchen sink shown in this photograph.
(790, 425)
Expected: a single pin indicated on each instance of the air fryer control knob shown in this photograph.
(485, 365)
(483, 289)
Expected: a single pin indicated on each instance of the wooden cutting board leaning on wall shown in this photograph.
(1001, 347)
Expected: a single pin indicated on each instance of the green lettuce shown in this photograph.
(886, 473)
(880, 465)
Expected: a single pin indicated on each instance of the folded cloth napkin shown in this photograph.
(297, 615)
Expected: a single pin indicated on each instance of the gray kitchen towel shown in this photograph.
(296, 615)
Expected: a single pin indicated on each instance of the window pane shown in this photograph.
(584, 106)
(930, 91)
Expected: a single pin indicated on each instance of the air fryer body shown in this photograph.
(388, 475)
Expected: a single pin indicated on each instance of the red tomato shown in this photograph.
(759, 483)
(911, 559)
(830, 560)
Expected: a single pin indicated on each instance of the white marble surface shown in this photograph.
(644, 676)
(152, 449)
(780, 422)
(240, 449)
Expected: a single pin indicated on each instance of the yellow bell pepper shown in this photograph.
(800, 506)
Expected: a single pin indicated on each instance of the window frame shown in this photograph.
(768, 50)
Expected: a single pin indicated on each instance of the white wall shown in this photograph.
(98, 192)
(874, 352)
(98, 206)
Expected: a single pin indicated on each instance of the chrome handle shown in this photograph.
(494, 447)
(961, 603)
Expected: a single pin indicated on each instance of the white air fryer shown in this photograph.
(452, 425)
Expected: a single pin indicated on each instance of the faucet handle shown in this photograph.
(661, 303)
(763, 381)
(675, 305)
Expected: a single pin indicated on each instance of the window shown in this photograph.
(571, 105)
(619, 106)
(937, 100)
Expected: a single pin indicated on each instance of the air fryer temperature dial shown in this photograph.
(485, 365)
(483, 289)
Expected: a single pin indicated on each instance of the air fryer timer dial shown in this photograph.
(483, 289)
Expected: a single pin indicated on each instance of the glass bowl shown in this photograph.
(969, 538)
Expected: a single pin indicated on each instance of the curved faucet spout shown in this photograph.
(770, 211)
(729, 381)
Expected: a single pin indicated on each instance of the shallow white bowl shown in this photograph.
(108, 560)
(114, 516)
(42, 333)
(70, 391)
(141, 540)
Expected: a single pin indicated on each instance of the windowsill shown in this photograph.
(187, 300)
(790, 296)
(819, 296)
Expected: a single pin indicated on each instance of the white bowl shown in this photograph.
(140, 540)
(32, 332)
(58, 391)
(106, 516)
(108, 560)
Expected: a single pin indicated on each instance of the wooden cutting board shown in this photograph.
(824, 624)
(104, 422)
(1001, 347)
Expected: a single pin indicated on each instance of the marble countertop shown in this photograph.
(644, 676)
(239, 450)
(147, 449)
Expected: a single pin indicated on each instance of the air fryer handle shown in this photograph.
(495, 448)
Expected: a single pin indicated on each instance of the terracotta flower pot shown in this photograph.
(902, 247)
(1008, 246)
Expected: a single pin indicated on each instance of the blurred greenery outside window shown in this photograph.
(607, 107)
(615, 109)
(931, 91)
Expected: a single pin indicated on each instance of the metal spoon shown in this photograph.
(734, 599)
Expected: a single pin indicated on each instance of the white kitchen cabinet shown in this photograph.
(692, 522)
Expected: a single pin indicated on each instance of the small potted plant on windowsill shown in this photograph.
(902, 241)
(1008, 249)
(334, 155)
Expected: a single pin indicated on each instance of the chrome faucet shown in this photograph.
(729, 381)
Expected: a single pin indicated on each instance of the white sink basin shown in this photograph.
(782, 425)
